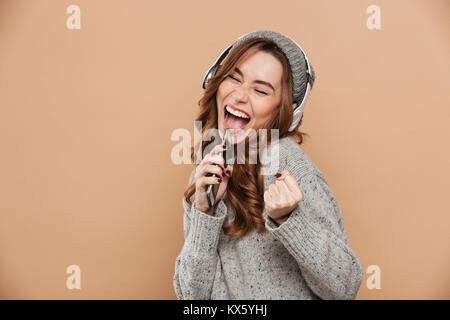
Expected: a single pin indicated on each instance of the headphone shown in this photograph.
(298, 108)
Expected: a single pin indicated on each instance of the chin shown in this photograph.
(239, 136)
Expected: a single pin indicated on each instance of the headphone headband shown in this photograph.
(212, 70)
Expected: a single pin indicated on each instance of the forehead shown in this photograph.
(260, 65)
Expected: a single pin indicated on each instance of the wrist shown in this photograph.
(208, 211)
(280, 220)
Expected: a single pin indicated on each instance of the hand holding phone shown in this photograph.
(211, 178)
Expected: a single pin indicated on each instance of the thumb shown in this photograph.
(228, 172)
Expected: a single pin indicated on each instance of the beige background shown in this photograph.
(86, 116)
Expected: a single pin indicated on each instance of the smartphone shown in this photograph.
(210, 192)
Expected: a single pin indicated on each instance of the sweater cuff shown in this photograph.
(298, 235)
(205, 229)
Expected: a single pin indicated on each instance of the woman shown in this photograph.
(266, 236)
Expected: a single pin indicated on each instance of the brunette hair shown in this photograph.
(245, 189)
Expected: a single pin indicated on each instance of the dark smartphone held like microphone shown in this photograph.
(210, 192)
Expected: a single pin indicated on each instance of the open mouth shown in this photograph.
(235, 119)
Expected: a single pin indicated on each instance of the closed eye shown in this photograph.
(233, 78)
(261, 92)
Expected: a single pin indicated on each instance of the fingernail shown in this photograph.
(224, 146)
(220, 180)
(226, 165)
(278, 175)
(223, 174)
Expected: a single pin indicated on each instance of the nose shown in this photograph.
(240, 94)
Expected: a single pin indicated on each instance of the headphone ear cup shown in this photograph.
(312, 77)
(206, 79)
(296, 117)
(211, 73)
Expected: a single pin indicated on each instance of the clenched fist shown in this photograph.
(282, 197)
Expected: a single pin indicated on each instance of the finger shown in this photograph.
(229, 160)
(273, 191)
(292, 184)
(290, 181)
(212, 169)
(285, 193)
(214, 159)
(283, 188)
(228, 171)
(282, 175)
(279, 176)
(203, 181)
(217, 150)
(292, 197)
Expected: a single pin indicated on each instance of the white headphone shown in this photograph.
(298, 108)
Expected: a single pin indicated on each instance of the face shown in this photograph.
(249, 95)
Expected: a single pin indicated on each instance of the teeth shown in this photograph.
(237, 113)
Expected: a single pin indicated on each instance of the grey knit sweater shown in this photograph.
(306, 257)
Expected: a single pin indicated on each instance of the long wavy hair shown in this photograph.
(245, 189)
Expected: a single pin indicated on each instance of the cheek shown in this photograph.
(224, 89)
(222, 92)
(220, 96)
(265, 111)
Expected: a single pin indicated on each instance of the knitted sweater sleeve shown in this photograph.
(316, 237)
(195, 266)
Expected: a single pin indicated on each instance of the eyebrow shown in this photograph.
(238, 71)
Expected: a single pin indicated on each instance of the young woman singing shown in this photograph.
(276, 236)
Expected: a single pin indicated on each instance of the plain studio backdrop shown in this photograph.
(86, 116)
